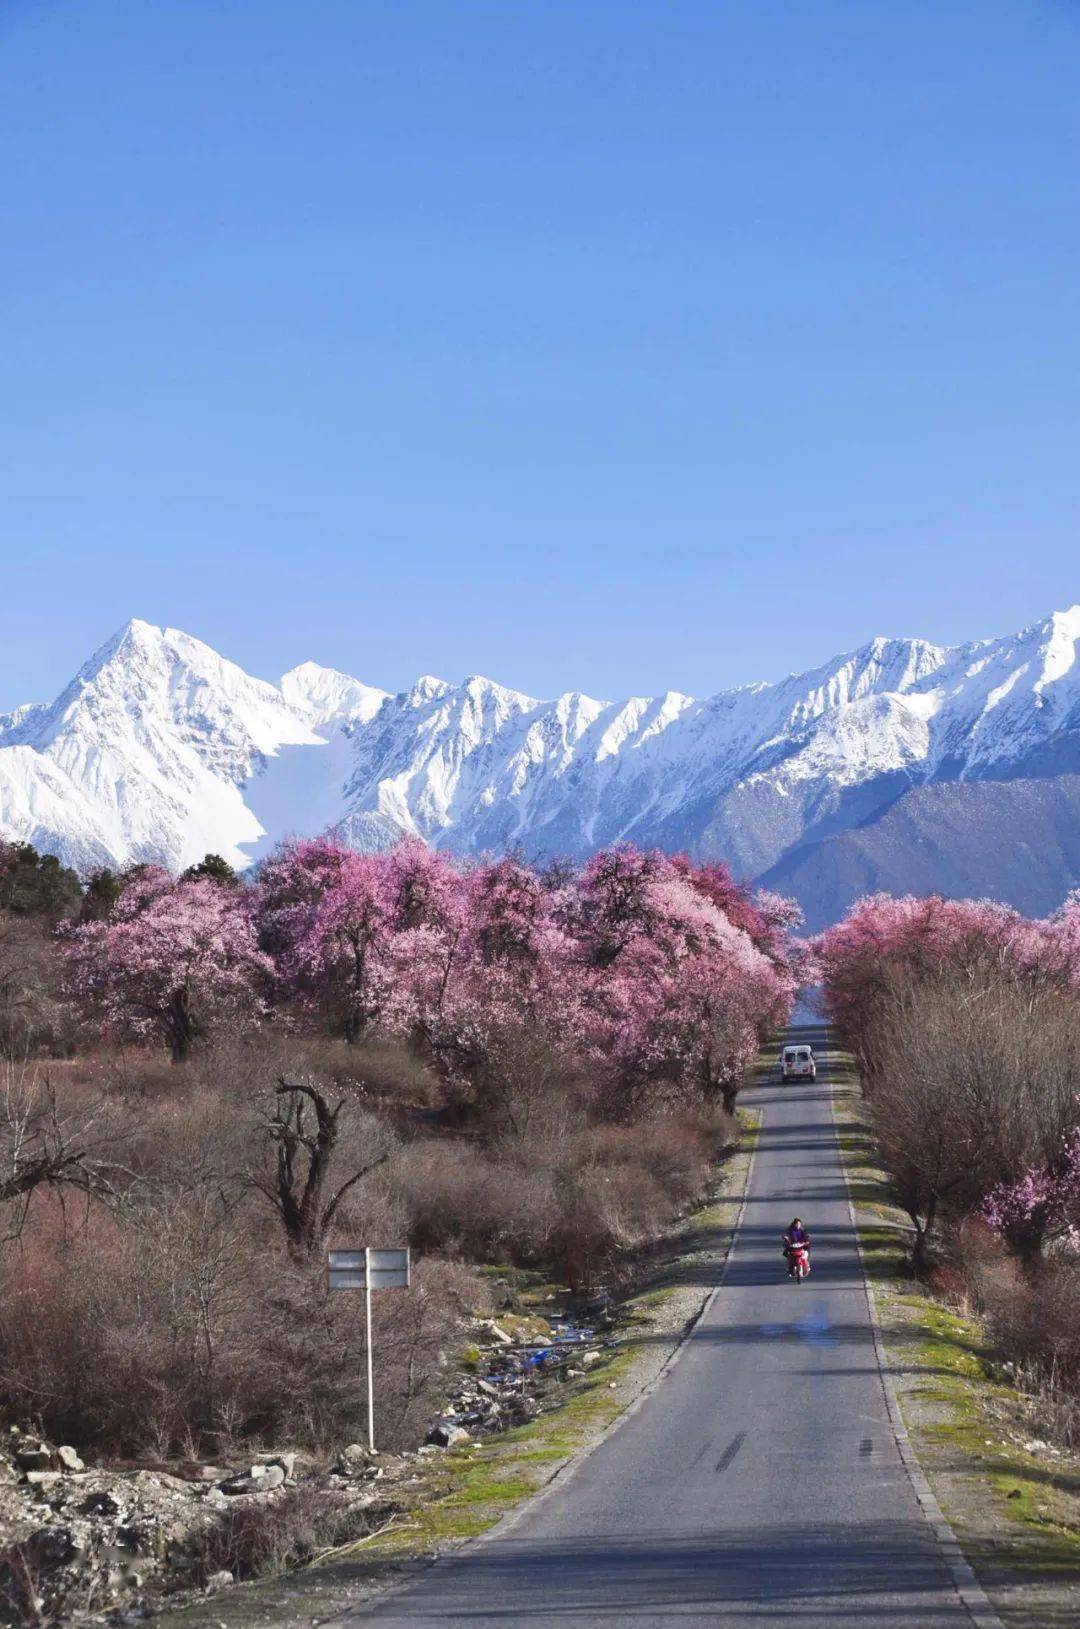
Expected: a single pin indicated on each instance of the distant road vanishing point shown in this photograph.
(761, 1482)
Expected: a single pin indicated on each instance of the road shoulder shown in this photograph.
(1012, 1502)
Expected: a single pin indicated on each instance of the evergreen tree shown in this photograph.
(33, 884)
(212, 868)
(102, 891)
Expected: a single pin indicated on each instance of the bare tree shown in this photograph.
(42, 1145)
(33, 1016)
(976, 1081)
(305, 1189)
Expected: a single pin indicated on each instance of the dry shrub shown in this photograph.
(284, 1530)
(1032, 1314)
(575, 1204)
(392, 1075)
(620, 1186)
(308, 1384)
(603, 1212)
(191, 1331)
(1035, 1324)
(464, 1201)
(991, 1273)
(1039, 1324)
(113, 1336)
(170, 1317)
(35, 1020)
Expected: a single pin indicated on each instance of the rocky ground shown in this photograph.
(113, 1543)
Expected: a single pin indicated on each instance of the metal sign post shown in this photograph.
(369, 1270)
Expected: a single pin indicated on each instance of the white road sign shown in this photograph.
(369, 1270)
(379, 1269)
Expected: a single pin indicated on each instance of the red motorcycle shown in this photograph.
(798, 1260)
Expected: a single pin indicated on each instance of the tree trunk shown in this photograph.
(920, 1250)
(181, 1026)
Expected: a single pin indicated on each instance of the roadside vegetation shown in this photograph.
(1011, 1493)
(208, 1081)
(964, 1022)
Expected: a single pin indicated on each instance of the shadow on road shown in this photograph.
(825, 1573)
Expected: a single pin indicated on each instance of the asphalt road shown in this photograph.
(760, 1481)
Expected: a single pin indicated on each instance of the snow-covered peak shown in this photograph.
(20, 722)
(147, 678)
(478, 686)
(427, 689)
(156, 735)
(1059, 649)
(328, 697)
(484, 701)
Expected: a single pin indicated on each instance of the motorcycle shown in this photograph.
(798, 1256)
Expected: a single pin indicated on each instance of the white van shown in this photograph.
(797, 1063)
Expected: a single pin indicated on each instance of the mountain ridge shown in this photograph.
(159, 749)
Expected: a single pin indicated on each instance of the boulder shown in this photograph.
(445, 1435)
(143, 1534)
(41, 1479)
(354, 1460)
(259, 1479)
(52, 1546)
(503, 1294)
(33, 1456)
(102, 1503)
(69, 1460)
(286, 1459)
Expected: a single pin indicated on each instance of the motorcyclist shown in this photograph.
(795, 1236)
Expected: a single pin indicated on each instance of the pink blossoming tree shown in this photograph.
(173, 959)
(1042, 1205)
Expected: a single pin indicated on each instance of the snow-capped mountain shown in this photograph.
(145, 755)
(161, 749)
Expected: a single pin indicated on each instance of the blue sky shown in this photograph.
(616, 346)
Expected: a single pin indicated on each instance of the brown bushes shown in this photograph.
(186, 1333)
(254, 1541)
(172, 1317)
(576, 1203)
(975, 1082)
(1032, 1313)
(166, 1309)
